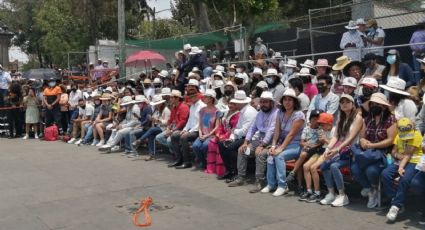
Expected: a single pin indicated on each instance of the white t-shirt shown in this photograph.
(86, 112)
(375, 35)
(74, 97)
(305, 101)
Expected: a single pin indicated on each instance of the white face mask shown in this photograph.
(289, 71)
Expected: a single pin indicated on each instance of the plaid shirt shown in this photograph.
(378, 132)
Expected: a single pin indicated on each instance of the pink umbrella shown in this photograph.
(141, 58)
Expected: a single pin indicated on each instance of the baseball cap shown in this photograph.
(315, 113)
(326, 118)
(406, 129)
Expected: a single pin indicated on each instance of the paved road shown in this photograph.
(45, 185)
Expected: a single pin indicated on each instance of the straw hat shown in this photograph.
(379, 98)
(257, 71)
(220, 74)
(308, 64)
(140, 99)
(352, 25)
(354, 63)
(126, 100)
(176, 93)
(193, 82)
(291, 63)
(240, 98)
(156, 100)
(193, 75)
(396, 85)
(322, 63)
(147, 81)
(341, 62)
(304, 72)
(229, 83)
(360, 21)
(105, 97)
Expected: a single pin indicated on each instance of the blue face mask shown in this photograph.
(270, 80)
(52, 84)
(391, 59)
(352, 31)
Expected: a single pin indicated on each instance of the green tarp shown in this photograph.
(203, 39)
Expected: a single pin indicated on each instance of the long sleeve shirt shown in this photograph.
(247, 116)
(352, 52)
(131, 120)
(265, 124)
(178, 117)
(162, 118)
(192, 124)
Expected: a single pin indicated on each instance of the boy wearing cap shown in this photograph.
(406, 153)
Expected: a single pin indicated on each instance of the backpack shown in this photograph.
(51, 133)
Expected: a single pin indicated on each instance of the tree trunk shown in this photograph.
(201, 15)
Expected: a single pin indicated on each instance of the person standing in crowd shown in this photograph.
(32, 113)
(64, 108)
(378, 133)
(399, 99)
(406, 153)
(208, 124)
(159, 119)
(14, 100)
(373, 68)
(229, 147)
(374, 40)
(275, 86)
(351, 41)
(396, 68)
(180, 140)
(337, 154)
(285, 145)
(260, 50)
(326, 100)
(418, 49)
(51, 100)
(256, 142)
(5, 81)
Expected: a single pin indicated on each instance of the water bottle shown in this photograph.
(390, 159)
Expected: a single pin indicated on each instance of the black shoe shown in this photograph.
(304, 196)
(239, 181)
(231, 179)
(174, 164)
(184, 166)
(226, 175)
(290, 178)
(313, 198)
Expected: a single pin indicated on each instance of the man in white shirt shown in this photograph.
(85, 113)
(229, 148)
(352, 41)
(180, 140)
(5, 80)
(74, 97)
(375, 38)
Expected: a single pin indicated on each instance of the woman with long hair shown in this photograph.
(32, 113)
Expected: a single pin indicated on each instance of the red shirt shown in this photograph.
(178, 116)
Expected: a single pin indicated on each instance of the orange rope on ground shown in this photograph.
(144, 207)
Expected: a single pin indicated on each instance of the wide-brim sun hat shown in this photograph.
(396, 85)
(105, 97)
(165, 91)
(290, 93)
(352, 25)
(140, 99)
(240, 98)
(341, 62)
(126, 100)
(346, 69)
(210, 93)
(379, 98)
(304, 72)
(156, 100)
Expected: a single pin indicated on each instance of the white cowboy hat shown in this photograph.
(218, 84)
(210, 93)
(352, 25)
(262, 84)
(267, 95)
(229, 83)
(195, 69)
(193, 82)
(195, 50)
(220, 74)
(396, 85)
(218, 68)
(176, 93)
(360, 21)
(163, 73)
(292, 63)
(166, 91)
(271, 72)
(290, 93)
(240, 98)
(156, 100)
(126, 100)
(140, 99)
(187, 47)
(193, 74)
(157, 81)
(257, 71)
(304, 72)
(308, 64)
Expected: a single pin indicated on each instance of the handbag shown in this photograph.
(367, 157)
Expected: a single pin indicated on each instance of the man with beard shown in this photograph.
(257, 139)
(274, 83)
(325, 100)
(180, 140)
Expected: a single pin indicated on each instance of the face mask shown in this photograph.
(52, 84)
(321, 88)
(375, 110)
(289, 71)
(270, 80)
(239, 70)
(391, 59)
(352, 31)
(228, 93)
(238, 81)
(371, 30)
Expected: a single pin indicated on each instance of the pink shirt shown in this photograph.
(310, 90)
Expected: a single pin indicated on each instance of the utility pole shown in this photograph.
(121, 36)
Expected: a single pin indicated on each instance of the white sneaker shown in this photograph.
(78, 142)
(266, 189)
(101, 143)
(71, 141)
(25, 137)
(329, 198)
(373, 199)
(132, 155)
(35, 136)
(340, 200)
(95, 142)
(115, 148)
(392, 214)
(365, 192)
(105, 146)
(281, 191)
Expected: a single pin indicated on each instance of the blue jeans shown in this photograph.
(200, 149)
(151, 134)
(163, 140)
(130, 137)
(276, 171)
(333, 175)
(89, 134)
(417, 185)
(368, 177)
(397, 193)
(72, 115)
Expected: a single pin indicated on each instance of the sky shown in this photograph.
(161, 5)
